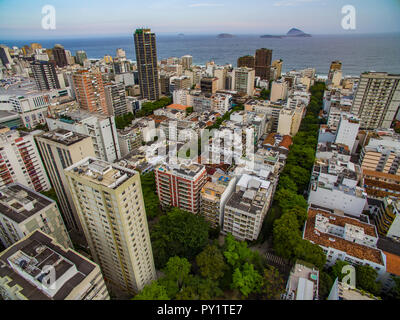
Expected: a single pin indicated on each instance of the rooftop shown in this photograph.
(101, 172)
(25, 259)
(329, 240)
(63, 136)
(19, 203)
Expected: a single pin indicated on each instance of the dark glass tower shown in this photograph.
(146, 58)
(263, 63)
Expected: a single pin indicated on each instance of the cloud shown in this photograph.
(291, 3)
(196, 5)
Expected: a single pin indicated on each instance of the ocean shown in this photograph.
(358, 53)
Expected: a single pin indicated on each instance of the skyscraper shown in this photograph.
(110, 206)
(377, 99)
(45, 75)
(262, 63)
(146, 58)
(89, 91)
(60, 56)
(61, 148)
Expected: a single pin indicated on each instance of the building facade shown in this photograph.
(146, 57)
(110, 206)
(23, 210)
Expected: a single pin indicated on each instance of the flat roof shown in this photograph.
(63, 136)
(19, 203)
(36, 250)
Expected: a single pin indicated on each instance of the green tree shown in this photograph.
(236, 252)
(211, 263)
(246, 279)
(324, 285)
(286, 235)
(153, 291)
(301, 214)
(273, 285)
(310, 252)
(197, 288)
(177, 269)
(366, 279)
(336, 269)
(178, 233)
(288, 199)
(285, 182)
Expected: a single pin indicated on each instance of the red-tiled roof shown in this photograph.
(392, 263)
(286, 142)
(270, 139)
(353, 249)
(177, 106)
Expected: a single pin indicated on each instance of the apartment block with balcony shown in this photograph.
(180, 185)
(25, 266)
(110, 206)
(214, 195)
(377, 99)
(247, 206)
(23, 210)
(99, 127)
(60, 149)
(20, 160)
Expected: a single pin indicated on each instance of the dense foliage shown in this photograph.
(289, 202)
(151, 201)
(178, 233)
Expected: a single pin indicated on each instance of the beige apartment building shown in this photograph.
(110, 206)
(377, 99)
(23, 210)
(25, 263)
(60, 149)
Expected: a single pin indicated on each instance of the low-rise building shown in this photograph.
(214, 195)
(247, 206)
(344, 238)
(303, 282)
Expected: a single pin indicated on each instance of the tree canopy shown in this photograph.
(178, 233)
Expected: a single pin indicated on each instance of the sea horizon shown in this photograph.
(374, 52)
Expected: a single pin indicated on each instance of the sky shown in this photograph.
(22, 19)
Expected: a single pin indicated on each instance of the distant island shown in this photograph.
(225, 35)
(294, 32)
(180, 35)
(271, 36)
(297, 33)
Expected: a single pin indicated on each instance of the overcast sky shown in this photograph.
(21, 19)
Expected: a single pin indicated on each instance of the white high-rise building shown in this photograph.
(99, 127)
(377, 99)
(244, 80)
